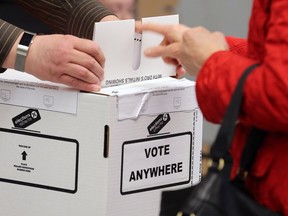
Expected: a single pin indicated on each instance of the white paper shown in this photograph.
(153, 97)
(21, 89)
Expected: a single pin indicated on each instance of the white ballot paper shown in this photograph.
(123, 50)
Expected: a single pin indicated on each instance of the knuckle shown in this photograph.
(93, 66)
(97, 53)
(75, 83)
(60, 55)
(84, 74)
(175, 27)
(90, 63)
(100, 71)
(200, 29)
(93, 47)
(188, 36)
(68, 38)
(175, 51)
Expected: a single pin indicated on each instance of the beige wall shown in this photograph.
(148, 8)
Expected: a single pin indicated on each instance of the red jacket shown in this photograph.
(265, 102)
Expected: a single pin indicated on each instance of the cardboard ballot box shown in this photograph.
(70, 153)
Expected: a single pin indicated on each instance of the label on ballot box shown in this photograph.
(156, 162)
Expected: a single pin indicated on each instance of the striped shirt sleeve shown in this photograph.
(76, 17)
(9, 35)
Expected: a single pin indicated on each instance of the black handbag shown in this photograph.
(217, 194)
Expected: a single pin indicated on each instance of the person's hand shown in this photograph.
(168, 47)
(197, 46)
(189, 47)
(68, 60)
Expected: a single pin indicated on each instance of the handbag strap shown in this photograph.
(221, 145)
(254, 140)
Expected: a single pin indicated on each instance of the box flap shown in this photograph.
(153, 97)
(22, 89)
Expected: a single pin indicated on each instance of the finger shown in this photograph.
(156, 51)
(161, 29)
(78, 72)
(180, 72)
(91, 48)
(138, 26)
(200, 29)
(171, 51)
(88, 62)
(172, 61)
(78, 84)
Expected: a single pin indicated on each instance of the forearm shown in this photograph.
(76, 17)
(216, 82)
(10, 36)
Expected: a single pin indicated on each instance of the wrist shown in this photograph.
(23, 46)
(109, 18)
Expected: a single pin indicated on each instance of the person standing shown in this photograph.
(217, 62)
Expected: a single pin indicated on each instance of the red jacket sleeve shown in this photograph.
(265, 103)
(237, 45)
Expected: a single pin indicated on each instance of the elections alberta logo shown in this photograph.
(26, 118)
(157, 125)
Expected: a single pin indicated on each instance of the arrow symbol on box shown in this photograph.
(24, 154)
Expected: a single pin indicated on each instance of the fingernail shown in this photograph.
(96, 88)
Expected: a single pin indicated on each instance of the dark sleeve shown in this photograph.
(76, 17)
(9, 35)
